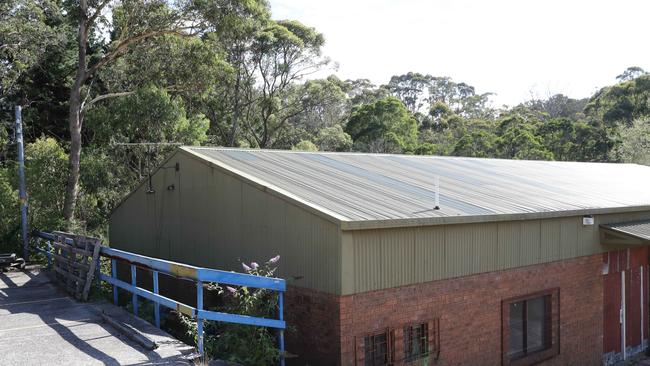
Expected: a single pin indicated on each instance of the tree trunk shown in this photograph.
(72, 187)
(235, 114)
(75, 118)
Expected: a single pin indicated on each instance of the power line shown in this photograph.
(147, 143)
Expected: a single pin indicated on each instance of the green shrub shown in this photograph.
(46, 172)
(244, 344)
(10, 217)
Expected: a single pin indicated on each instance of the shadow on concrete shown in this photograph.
(33, 310)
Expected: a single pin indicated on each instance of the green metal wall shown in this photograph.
(213, 219)
(384, 258)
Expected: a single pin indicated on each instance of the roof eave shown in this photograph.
(449, 220)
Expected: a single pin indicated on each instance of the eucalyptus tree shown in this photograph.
(517, 139)
(363, 91)
(461, 98)
(27, 29)
(233, 27)
(283, 53)
(383, 126)
(622, 103)
(635, 146)
(411, 88)
(631, 73)
(129, 23)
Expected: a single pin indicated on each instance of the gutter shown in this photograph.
(474, 219)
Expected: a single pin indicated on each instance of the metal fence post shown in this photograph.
(134, 283)
(199, 321)
(49, 254)
(114, 275)
(21, 182)
(281, 317)
(156, 306)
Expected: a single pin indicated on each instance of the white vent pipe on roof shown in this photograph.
(436, 192)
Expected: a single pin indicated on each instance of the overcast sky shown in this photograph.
(510, 47)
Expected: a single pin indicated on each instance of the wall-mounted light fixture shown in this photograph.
(587, 220)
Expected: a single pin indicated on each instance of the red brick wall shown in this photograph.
(314, 331)
(469, 309)
(469, 312)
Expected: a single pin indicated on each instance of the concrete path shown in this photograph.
(41, 325)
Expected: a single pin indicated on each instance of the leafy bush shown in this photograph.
(46, 174)
(305, 145)
(333, 139)
(9, 219)
(244, 344)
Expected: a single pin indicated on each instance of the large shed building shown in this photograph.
(521, 262)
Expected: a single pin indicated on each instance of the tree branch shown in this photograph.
(106, 96)
(85, 106)
(87, 95)
(123, 45)
(98, 12)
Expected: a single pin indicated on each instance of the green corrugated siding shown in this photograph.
(549, 240)
(509, 244)
(530, 247)
(214, 220)
(381, 256)
(429, 259)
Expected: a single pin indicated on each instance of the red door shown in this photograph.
(633, 307)
(625, 300)
(612, 307)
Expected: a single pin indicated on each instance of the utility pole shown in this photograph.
(21, 184)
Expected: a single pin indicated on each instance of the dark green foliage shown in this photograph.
(243, 344)
(478, 144)
(28, 28)
(333, 139)
(239, 78)
(149, 114)
(383, 126)
(10, 220)
(622, 103)
(45, 172)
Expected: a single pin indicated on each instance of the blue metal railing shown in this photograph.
(197, 274)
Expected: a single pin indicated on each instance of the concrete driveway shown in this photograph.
(41, 325)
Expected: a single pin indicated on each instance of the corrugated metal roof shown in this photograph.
(378, 187)
(637, 229)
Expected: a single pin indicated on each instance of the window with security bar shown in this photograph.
(421, 341)
(378, 349)
(416, 341)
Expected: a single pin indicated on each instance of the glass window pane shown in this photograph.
(516, 328)
(536, 324)
(416, 341)
(422, 340)
(408, 341)
(376, 350)
(381, 357)
(368, 348)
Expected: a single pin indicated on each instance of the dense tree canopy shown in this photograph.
(131, 80)
(383, 126)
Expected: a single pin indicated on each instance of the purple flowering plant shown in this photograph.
(232, 342)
